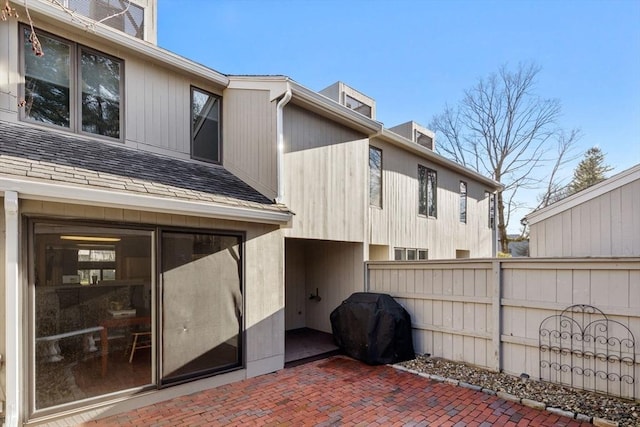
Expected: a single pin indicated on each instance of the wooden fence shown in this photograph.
(489, 312)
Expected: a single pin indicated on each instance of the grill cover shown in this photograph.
(373, 328)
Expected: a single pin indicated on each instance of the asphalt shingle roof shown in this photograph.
(43, 154)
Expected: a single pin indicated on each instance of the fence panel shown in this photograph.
(489, 312)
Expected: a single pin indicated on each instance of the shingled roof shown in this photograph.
(52, 156)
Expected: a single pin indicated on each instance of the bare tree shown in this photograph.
(502, 129)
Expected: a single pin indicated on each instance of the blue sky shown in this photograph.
(413, 57)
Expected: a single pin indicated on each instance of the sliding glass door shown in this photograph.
(201, 304)
(92, 296)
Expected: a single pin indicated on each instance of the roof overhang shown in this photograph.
(149, 51)
(625, 177)
(66, 193)
(408, 145)
(308, 99)
(326, 107)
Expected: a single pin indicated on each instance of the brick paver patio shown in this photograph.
(342, 392)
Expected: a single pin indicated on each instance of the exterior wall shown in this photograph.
(325, 177)
(488, 312)
(156, 99)
(607, 225)
(443, 235)
(263, 286)
(331, 270)
(249, 138)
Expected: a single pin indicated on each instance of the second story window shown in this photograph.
(492, 209)
(463, 201)
(375, 177)
(427, 192)
(205, 126)
(72, 86)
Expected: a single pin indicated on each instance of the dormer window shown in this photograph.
(351, 98)
(358, 106)
(123, 15)
(424, 140)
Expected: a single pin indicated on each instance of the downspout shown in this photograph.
(13, 367)
(280, 142)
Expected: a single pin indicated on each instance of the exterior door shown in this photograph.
(201, 304)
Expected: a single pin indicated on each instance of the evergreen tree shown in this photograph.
(590, 171)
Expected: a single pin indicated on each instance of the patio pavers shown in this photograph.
(338, 391)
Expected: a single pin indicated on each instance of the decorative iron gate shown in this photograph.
(582, 348)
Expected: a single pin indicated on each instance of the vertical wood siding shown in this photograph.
(607, 225)
(156, 99)
(400, 200)
(249, 138)
(325, 177)
(458, 313)
(9, 67)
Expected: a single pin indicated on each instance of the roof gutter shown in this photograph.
(280, 142)
(394, 138)
(66, 193)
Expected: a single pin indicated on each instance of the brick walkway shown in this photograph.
(337, 391)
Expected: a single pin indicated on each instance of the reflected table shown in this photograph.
(117, 322)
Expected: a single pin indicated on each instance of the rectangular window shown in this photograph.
(463, 202)
(411, 254)
(205, 126)
(492, 209)
(424, 140)
(375, 177)
(427, 191)
(399, 254)
(358, 106)
(72, 87)
(423, 254)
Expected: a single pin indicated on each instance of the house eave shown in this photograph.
(408, 145)
(625, 177)
(75, 194)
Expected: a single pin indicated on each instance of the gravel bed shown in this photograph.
(625, 412)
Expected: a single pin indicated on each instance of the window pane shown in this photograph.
(100, 94)
(463, 201)
(375, 177)
(422, 190)
(205, 125)
(399, 254)
(201, 304)
(432, 192)
(411, 254)
(423, 254)
(358, 106)
(47, 81)
(84, 326)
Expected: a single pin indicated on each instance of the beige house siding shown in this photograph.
(606, 225)
(155, 101)
(249, 138)
(400, 201)
(488, 312)
(325, 177)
